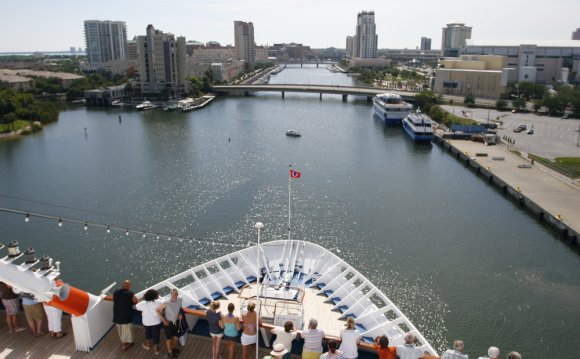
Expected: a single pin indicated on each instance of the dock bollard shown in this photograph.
(559, 216)
(518, 189)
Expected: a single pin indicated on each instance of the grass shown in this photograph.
(569, 166)
(16, 125)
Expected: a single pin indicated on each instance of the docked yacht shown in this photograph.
(419, 127)
(145, 105)
(390, 108)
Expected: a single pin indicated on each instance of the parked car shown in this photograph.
(517, 129)
(565, 116)
(522, 127)
(530, 131)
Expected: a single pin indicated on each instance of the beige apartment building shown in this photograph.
(244, 42)
(162, 62)
(484, 76)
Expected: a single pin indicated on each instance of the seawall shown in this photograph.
(548, 198)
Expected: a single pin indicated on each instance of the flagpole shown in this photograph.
(289, 196)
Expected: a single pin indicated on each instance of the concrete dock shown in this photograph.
(551, 197)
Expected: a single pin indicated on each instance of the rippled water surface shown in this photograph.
(460, 259)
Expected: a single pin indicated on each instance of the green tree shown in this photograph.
(519, 103)
(530, 90)
(469, 100)
(194, 85)
(206, 85)
(501, 105)
(425, 99)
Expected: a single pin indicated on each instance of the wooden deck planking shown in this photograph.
(24, 345)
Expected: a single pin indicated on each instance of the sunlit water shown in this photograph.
(457, 257)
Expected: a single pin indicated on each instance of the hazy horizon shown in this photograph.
(46, 26)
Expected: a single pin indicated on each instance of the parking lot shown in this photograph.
(553, 137)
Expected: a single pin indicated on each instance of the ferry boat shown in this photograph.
(390, 108)
(287, 280)
(419, 127)
(145, 105)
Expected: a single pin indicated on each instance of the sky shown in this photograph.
(42, 25)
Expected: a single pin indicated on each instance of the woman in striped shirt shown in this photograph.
(312, 341)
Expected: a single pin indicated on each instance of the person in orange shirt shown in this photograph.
(383, 349)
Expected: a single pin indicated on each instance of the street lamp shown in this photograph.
(258, 226)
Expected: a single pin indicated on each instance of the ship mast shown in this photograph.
(289, 196)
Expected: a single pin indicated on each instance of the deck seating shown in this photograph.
(215, 295)
(361, 328)
(228, 290)
(368, 339)
(251, 278)
(240, 284)
(335, 300)
(328, 292)
(193, 307)
(343, 308)
(204, 301)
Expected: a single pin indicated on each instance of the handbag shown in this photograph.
(182, 329)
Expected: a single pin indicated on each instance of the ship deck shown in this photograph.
(315, 306)
(24, 345)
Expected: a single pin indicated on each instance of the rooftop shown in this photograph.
(539, 43)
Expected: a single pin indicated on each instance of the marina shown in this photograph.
(357, 192)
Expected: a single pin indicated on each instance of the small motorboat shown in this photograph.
(292, 133)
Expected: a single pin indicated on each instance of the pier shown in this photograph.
(550, 197)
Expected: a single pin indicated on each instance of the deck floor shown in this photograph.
(24, 345)
(316, 306)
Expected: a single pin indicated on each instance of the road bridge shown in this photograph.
(344, 91)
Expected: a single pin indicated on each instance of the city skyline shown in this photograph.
(319, 25)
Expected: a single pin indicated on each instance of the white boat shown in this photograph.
(145, 105)
(419, 127)
(292, 133)
(390, 108)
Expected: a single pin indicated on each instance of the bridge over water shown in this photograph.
(344, 91)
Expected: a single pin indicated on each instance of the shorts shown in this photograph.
(248, 339)
(311, 355)
(34, 312)
(153, 332)
(170, 330)
(125, 332)
(230, 339)
(11, 306)
(216, 335)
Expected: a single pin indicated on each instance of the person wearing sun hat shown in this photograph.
(278, 351)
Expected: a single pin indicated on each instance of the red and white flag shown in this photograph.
(294, 174)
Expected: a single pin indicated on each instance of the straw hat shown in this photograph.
(278, 349)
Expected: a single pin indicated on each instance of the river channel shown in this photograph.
(458, 258)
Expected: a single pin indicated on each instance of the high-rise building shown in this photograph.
(106, 41)
(576, 34)
(162, 61)
(244, 42)
(453, 39)
(365, 41)
(349, 45)
(425, 43)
